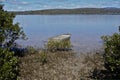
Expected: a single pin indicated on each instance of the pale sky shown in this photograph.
(22, 5)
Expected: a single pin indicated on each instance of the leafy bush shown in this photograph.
(9, 32)
(8, 65)
(43, 57)
(112, 52)
(56, 45)
(31, 50)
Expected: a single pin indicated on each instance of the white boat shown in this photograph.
(63, 37)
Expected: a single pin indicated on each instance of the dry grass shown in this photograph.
(59, 66)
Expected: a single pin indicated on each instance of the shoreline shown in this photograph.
(59, 65)
(83, 11)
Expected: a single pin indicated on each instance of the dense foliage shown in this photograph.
(56, 45)
(8, 65)
(9, 32)
(112, 52)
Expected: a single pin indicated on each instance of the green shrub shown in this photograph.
(9, 31)
(43, 57)
(112, 52)
(8, 65)
(31, 50)
(56, 45)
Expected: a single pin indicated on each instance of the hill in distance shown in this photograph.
(102, 11)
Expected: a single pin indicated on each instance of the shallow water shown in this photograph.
(86, 30)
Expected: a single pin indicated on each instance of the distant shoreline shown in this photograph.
(92, 11)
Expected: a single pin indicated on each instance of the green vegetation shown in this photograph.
(8, 65)
(55, 62)
(31, 50)
(109, 11)
(58, 45)
(112, 53)
(45, 64)
(111, 59)
(9, 32)
(43, 57)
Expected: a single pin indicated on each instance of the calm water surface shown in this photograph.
(86, 30)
